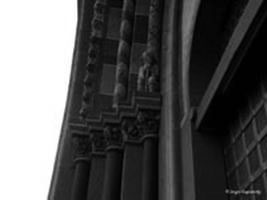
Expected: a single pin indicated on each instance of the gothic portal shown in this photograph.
(167, 100)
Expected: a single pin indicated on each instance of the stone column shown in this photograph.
(97, 172)
(132, 160)
(170, 132)
(82, 149)
(113, 166)
(148, 123)
(150, 169)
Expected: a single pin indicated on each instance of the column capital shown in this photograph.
(98, 142)
(131, 131)
(148, 123)
(113, 136)
(82, 147)
(144, 125)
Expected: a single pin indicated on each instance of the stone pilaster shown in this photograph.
(131, 130)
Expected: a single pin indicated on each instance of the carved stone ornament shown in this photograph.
(148, 122)
(148, 77)
(81, 146)
(130, 130)
(152, 70)
(113, 136)
(124, 49)
(98, 141)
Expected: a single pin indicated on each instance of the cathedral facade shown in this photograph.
(167, 101)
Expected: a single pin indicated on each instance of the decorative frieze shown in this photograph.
(148, 77)
(124, 51)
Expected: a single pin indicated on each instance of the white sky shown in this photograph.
(36, 45)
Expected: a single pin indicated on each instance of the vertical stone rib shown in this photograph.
(80, 180)
(148, 123)
(97, 33)
(131, 181)
(148, 77)
(113, 165)
(124, 51)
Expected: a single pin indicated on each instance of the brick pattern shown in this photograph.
(245, 148)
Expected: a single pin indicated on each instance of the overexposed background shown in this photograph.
(36, 45)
